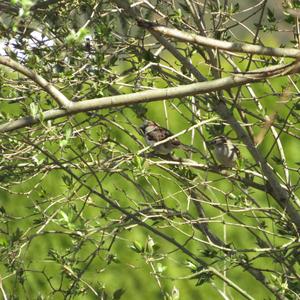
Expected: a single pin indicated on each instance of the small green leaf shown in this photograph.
(77, 37)
(149, 245)
(210, 253)
(3, 242)
(160, 268)
(297, 106)
(139, 162)
(64, 216)
(148, 56)
(235, 8)
(137, 247)
(270, 16)
(118, 294)
(67, 180)
(112, 258)
(191, 265)
(34, 109)
(68, 131)
(63, 143)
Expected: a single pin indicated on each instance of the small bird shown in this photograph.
(154, 133)
(225, 151)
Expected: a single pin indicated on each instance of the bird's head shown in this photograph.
(147, 124)
(217, 141)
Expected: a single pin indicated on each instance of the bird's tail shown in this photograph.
(188, 148)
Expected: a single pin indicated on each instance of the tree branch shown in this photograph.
(59, 97)
(151, 95)
(217, 44)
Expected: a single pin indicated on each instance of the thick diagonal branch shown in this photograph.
(150, 96)
(58, 96)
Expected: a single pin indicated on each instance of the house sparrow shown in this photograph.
(154, 133)
(224, 150)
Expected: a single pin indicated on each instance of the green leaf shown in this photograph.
(26, 4)
(63, 143)
(203, 277)
(67, 180)
(112, 258)
(297, 106)
(289, 19)
(270, 16)
(64, 216)
(34, 109)
(148, 56)
(77, 37)
(3, 242)
(149, 245)
(210, 253)
(191, 265)
(139, 162)
(16, 235)
(160, 268)
(236, 8)
(118, 294)
(137, 247)
(68, 131)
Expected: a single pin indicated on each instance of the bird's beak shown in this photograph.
(210, 143)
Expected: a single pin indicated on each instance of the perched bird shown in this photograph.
(154, 133)
(224, 150)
